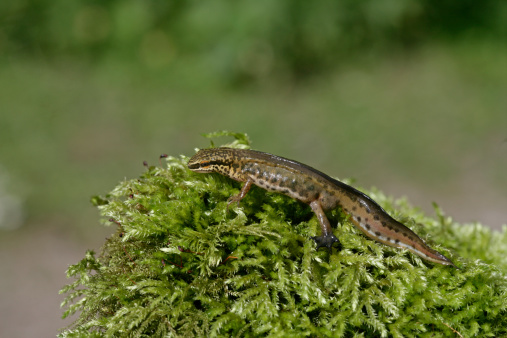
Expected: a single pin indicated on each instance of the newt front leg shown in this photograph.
(244, 190)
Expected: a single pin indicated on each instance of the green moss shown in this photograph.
(180, 264)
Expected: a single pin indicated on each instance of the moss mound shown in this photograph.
(179, 264)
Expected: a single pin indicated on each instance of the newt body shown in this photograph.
(318, 190)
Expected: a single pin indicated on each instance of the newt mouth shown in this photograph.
(193, 166)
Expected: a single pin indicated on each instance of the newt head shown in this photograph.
(208, 160)
(200, 162)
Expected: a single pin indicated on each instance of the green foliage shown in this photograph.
(242, 39)
(180, 264)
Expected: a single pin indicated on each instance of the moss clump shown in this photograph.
(179, 264)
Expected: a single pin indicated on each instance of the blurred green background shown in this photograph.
(406, 96)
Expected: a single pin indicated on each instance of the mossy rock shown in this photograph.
(181, 264)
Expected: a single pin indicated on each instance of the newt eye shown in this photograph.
(204, 164)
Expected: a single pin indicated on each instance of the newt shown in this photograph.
(320, 191)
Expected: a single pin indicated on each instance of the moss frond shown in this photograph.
(179, 264)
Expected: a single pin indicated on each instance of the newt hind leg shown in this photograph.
(327, 238)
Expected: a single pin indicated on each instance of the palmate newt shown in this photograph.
(310, 186)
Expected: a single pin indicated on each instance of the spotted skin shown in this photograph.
(321, 192)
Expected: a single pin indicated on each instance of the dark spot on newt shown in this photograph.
(354, 208)
(376, 217)
(377, 233)
(396, 241)
(358, 218)
(367, 226)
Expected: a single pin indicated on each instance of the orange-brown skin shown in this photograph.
(316, 189)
